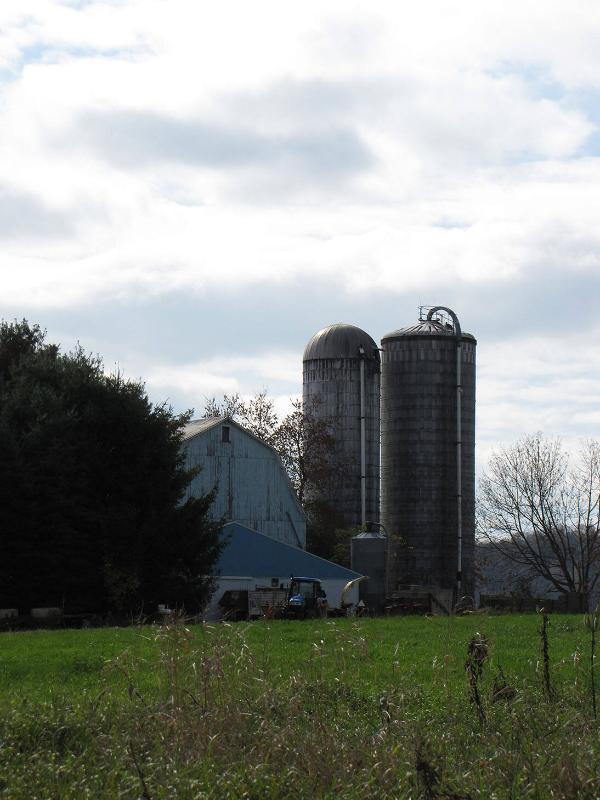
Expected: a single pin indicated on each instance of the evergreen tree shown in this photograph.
(92, 481)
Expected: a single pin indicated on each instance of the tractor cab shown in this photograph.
(305, 597)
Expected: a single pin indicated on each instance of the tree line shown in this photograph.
(92, 481)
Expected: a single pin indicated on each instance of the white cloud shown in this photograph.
(439, 131)
(150, 147)
(227, 374)
(548, 383)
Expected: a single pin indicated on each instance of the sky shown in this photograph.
(193, 189)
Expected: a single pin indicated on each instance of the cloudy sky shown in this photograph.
(193, 189)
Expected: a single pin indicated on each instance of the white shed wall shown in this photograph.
(332, 587)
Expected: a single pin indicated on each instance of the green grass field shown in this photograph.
(344, 708)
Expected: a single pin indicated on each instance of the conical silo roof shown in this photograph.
(428, 327)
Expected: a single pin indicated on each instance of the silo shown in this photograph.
(368, 557)
(428, 453)
(341, 372)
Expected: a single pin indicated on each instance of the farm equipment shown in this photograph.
(266, 603)
(410, 600)
(305, 599)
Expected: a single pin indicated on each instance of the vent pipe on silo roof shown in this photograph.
(458, 332)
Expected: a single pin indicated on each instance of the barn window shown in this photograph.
(225, 434)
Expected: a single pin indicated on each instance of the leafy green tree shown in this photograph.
(92, 481)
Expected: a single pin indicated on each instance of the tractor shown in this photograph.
(305, 599)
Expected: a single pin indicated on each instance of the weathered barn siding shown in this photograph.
(253, 487)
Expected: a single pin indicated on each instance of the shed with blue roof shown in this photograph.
(250, 560)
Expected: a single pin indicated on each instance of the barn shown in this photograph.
(253, 487)
(265, 533)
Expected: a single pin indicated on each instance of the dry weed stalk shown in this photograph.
(427, 773)
(548, 689)
(145, 791)
(591, 621)
(430, 775)
(502, 690)
(477, 653)
(174, 641)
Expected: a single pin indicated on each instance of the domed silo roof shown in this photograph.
(427, 327)
(340, 341)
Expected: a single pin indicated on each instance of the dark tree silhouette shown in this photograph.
(92, 478)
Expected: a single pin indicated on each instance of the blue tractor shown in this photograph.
(305, 599)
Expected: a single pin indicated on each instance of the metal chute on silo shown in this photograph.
(348, 587)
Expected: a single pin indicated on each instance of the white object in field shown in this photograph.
(46, 613)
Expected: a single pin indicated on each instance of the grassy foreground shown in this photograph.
(347, 709)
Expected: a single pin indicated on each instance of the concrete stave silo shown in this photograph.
(341, 382)
(421, 436)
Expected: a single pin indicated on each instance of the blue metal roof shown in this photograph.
(252, 554)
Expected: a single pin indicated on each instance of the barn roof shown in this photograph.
(196, 426)
(250, 553)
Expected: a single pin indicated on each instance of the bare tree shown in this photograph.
(305, 445)
(228, 406)
(257, 415)
(302, 438)
(544, 514)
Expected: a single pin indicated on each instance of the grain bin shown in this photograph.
(368, 557)
(341, 372)
(428, 452)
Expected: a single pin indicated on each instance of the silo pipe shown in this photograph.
(458, 332)
(363, 443)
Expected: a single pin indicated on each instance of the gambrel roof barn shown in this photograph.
(253, 486)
